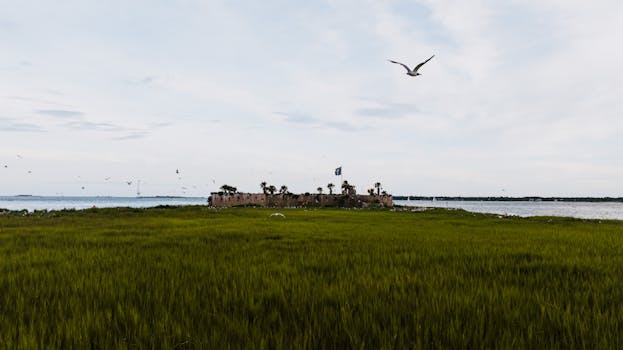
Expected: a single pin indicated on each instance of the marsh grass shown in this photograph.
(194, 277)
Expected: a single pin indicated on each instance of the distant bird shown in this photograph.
(6, 166)
(413, 72)
(20, 157)
(107, 178)
(129, 183)
(29, 171)
(277, 215)
(177, 171)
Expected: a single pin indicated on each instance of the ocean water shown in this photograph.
(31, 203)
(584, 210)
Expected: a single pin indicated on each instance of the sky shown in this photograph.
(522, 97)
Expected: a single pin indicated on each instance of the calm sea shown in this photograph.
(31, 203)
(585, 210)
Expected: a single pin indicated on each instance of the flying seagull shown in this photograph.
(413, 72)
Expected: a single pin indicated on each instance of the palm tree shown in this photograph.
(371, 191)
(377, 185)
(283, 189)
(271, 189)
(263, 186)
(319, 189)
(330, 187)
(229, 189)
(345, 187)
(384, 193)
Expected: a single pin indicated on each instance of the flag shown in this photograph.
(338, 171)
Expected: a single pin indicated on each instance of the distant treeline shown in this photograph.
(515, 199)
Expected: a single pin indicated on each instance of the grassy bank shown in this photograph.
(200, 278)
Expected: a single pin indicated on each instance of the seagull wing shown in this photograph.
(421, 64)
(407, 68)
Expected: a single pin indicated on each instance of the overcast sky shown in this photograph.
(522, 97)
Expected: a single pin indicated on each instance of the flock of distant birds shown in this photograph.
(127, 182)
(410, 72)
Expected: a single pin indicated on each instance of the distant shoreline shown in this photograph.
(27, 196)
(511, 199)
(399, 197)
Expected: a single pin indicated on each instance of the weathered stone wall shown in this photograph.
(299, 200)
(238, 199)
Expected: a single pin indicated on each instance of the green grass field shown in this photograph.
(196, 277)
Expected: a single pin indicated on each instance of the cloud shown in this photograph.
(9, 125)
(298, 118)
(59, 113)
(131, 136)
(316, 123)
(53, 92)
(146, 80)
(161, 124)
(34, 100)
(344, 126)
(122, 132)
(388, 110)
(87, 125)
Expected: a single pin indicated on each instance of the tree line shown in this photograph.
(346, 189)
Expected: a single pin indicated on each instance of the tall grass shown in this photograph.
(195, 277)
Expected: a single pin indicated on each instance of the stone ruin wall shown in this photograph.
(238, 199)
(299, 200)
